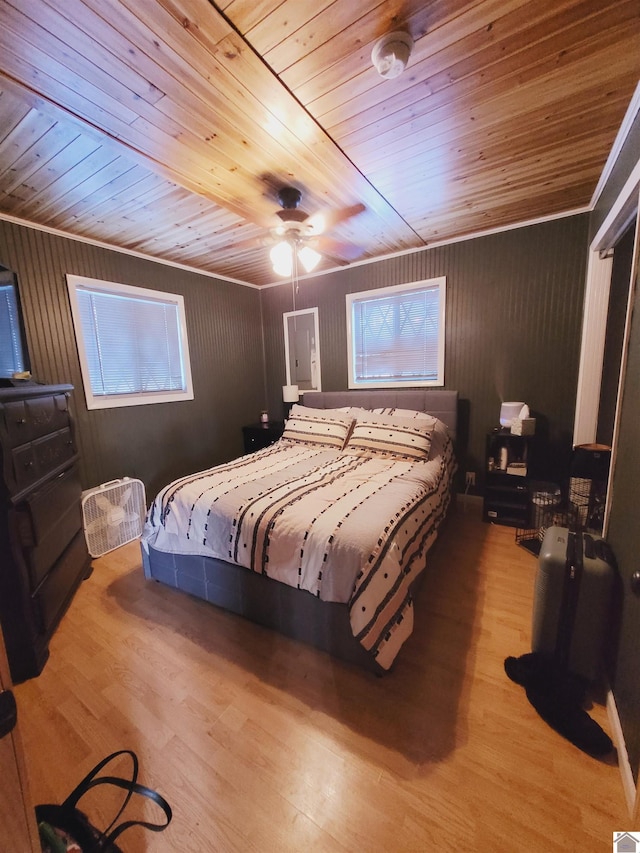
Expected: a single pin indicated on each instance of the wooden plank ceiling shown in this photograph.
(167, 126)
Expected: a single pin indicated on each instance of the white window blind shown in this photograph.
(132, 344)
(11, 359)
(396, 335)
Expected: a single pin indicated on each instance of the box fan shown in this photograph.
(113, 514)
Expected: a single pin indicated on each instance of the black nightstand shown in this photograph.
(507, 480)
(257, 436)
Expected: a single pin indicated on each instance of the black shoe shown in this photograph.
(570, 720)
(542, 671)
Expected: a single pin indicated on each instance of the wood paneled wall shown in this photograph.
(155, 442)
(514, 309)
(514, 314)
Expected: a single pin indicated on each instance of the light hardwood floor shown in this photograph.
(262, 744)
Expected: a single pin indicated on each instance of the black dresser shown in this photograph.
(44, 554)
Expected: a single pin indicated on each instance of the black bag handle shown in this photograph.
(90, 780)
(109, 835)
(131, 786)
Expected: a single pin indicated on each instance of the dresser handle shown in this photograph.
(21, 421)
(28, 463)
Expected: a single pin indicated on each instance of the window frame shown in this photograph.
(138, 398)
(439, 282)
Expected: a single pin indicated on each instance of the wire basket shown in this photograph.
(545, 511)
(587, 499)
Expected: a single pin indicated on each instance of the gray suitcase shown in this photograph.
(572, 599)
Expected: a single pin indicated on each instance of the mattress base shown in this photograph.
(290, 611)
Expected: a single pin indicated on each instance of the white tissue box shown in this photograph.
(523, 426)
(517, 468)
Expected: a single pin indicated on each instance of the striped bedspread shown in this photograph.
(345, 527)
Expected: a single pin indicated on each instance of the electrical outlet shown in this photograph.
(470, 479)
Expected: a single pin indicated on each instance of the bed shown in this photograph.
(323, 535)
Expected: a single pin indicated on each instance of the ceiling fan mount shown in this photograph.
(289, 198)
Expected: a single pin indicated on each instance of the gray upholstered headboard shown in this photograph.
(441, 404)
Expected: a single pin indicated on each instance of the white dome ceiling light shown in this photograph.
(391, 53)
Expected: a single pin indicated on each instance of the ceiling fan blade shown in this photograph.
(325, 220)
(337, 250)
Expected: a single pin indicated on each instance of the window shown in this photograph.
(11, 351)
(132, 343)
(396, 335)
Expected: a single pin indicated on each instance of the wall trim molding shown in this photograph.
(594, 332)
(621, 213)
(623, 132)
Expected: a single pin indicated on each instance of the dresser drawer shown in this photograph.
(24, 468)
(59, 585)
(47, 414)
(46, 521)
(26, 420)
(31, 462)
(53, 450)
(14, 421)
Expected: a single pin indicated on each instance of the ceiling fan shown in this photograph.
(299, 236)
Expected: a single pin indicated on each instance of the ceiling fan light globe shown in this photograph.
(282, 258)
(309, 258)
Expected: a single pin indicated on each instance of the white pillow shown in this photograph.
(328, 427)
(384, 435)
(406, 413)
(440, 438)
(439, 434)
